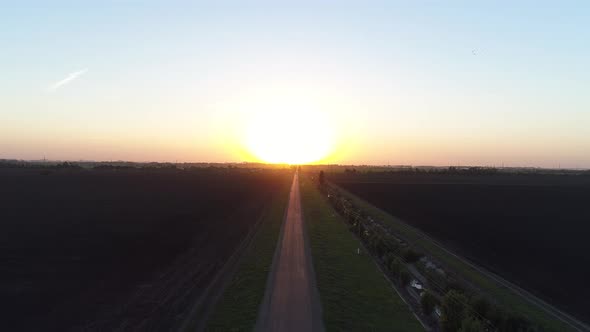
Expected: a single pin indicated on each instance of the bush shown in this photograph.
(428, 302)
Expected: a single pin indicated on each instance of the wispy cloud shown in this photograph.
(66, 80)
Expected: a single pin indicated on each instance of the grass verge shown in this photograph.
(238, 307)
(355, 295)
(506, 297)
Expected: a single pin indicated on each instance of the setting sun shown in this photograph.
(289, 135)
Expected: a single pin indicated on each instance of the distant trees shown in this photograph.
(67, 165)
(113, 167)
(470, 170)
(6, 163)
(38, 165)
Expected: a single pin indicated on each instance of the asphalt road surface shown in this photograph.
(291, 300)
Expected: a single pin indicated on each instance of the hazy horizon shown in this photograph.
(498, 166)
(373, 83)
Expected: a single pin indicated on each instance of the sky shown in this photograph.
(413, 82)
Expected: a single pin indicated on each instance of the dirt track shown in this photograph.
(291, 301)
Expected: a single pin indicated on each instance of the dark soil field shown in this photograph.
(130, 249)
(531, 229)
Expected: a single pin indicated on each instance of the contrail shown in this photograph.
(66, 80)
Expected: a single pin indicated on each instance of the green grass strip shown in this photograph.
(238, 308)
(355, 295)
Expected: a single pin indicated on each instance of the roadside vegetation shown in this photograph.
(354, 293)
(450, 294)
(238, 307)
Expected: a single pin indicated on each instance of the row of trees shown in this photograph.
(475, 170)
(23, 164)
(461, 309)
(471, 313)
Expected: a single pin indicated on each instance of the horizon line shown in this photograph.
(308, 164)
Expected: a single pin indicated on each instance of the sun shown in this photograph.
(289, 135)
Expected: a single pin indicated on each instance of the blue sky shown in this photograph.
(402, 82)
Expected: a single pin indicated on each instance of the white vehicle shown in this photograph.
(416, 284)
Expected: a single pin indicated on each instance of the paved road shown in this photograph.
(291, 300)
